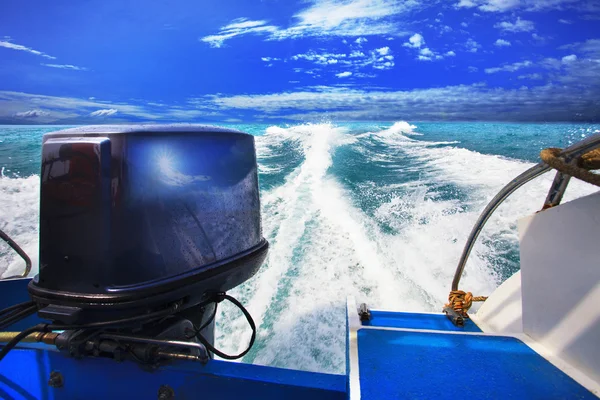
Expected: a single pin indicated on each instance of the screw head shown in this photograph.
(166, 392)
(56, 379)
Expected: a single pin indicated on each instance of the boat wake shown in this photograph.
(381, 216)
(378, 214)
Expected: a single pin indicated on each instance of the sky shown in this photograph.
(234, 61)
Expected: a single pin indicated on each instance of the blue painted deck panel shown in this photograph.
(417, 365)
(437, 322)
(24, 375)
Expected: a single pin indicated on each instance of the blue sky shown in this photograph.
(313, 60)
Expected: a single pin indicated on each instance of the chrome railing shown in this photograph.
(19, 251)
(554, 195)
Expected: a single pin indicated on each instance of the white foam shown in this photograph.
(484, 175)
(329, 248)
(19, 215)
(287, 209)
(403, 127)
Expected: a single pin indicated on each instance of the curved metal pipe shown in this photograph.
(21, 252)
(35, 337)
(571, 152)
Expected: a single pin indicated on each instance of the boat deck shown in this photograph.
(424, 356)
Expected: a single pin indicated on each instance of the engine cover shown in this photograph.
(134, 217)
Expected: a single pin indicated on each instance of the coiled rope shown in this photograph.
(460, 301)
(578, 168)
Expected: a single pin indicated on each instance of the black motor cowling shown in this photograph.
(134, 218)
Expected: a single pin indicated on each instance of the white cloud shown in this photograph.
(385, 65)
(364, 75)
(312, 72)
(188, 114)
(520, 25)
(325, 18)
(361, 40)
(59, 108)
(565, 21)
(426, 52)
(538, 38)
(534, 77)
(13, 46)
(508, 5)
(349, 18)
(319, 58)
(569, 58)
(243, 23)
(269, 59)
(547, 102)
(552, 63)
(383, 51)
(466, 4)
(344, 74)
(464, 24)
(472, 69)
(502, 43)
(472, 46)
(509, 67)
(378, 58)
(32, 114)
(590, 48)
(237, 27)
(103, 113)
(415, 41)
(65, 66)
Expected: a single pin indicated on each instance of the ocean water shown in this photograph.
(377, 211)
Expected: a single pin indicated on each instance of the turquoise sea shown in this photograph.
(377, 211)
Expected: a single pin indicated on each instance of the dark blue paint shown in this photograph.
(24, 375)
(12, 292)
(438, 322)
(416, 365)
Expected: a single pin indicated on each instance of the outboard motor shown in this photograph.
(142, 231)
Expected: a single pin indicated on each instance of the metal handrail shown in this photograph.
(19, 251)
(569, 153)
